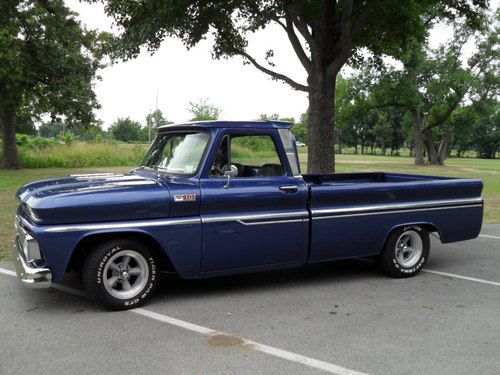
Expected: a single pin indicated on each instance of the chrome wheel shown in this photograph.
(126, 274)
(409, 247)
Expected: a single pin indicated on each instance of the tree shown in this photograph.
(324, 34)
(153, 121)
(51, 129)
(434, 84)
(486, 133)
(126, 130)
(48, 62)
(202, 110)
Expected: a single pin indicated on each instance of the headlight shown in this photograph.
(28, 244)
(30, 212)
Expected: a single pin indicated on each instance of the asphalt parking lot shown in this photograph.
(343, 317)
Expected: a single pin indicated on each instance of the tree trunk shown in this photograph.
(443, 146)
(320, 132)
(417, 137)
(9, 147)
(383, 148)
(431, 148)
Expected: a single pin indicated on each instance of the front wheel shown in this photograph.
(405, 251)
(120, 274)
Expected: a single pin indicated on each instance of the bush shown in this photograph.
(33, 143)
(67, 137)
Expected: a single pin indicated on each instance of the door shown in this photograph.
(258, 217)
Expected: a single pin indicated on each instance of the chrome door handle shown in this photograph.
(289, 188)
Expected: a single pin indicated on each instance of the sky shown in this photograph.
(176, 76)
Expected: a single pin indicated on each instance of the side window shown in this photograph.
(221, 161)
(252, 155)
(255, 156)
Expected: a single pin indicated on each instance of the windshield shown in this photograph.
(177, 153)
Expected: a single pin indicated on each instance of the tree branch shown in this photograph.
(276, 75)
(294, 40)
(446, 116)
(301, 26)
(349, 32)
(344, 44)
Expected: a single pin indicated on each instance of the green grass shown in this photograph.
(82, 155)
(487, 170)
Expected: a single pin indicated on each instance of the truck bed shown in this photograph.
(351, 213)
(358, 178)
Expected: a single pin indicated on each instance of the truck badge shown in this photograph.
(185, 198)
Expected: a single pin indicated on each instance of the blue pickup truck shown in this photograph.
(220, 198)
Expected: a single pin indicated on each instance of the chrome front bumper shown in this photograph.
(33, 277)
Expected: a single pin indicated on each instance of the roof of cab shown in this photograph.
(230, 124)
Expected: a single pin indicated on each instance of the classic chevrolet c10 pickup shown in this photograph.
(219, 198)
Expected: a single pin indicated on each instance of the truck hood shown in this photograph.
(95, 197)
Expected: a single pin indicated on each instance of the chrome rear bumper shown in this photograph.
(33, 277)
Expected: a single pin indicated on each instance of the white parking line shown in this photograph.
(488, 236)
(284, 354)
(270, 350)
(7, 272)
(445, 274)
(462, 277)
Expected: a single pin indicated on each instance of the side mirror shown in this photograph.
(232, 172)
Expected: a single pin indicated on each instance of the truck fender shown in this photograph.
(431, 227)
(90, 238)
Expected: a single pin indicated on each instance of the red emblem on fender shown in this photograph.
(185, 198)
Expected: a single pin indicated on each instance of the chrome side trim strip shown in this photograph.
(123, 225)
(384, 207)
(396, 212)
(272, 222)
(278, 215)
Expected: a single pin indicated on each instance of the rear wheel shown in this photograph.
(405, 251)
(120, 274)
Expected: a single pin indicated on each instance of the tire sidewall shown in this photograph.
(95, 275)
(390, 254)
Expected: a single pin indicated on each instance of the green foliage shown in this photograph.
(51, 129)
(126, 130)
(153, 121)
(323, 34)
(98, 138)
(34, 143)
(90, 133)
(429, 94)
(300, 131)
(273, 117)
(25, 125)
(67, 137)
(486, 133)
(202, 110)
(44, 153)
(156, 119)
(48, 63)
